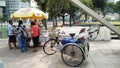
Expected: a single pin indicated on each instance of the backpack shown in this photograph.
(24, 34)
(21, 30)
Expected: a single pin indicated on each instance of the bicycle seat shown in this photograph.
(72, 34)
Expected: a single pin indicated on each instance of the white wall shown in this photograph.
(2, 3)
(114, 1)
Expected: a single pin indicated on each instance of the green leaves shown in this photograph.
(117, 7)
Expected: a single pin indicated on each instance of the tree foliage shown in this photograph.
(3, 19)
(88, 3)
(117, 7)
(99, 4)
(28, 1)
(57, 8)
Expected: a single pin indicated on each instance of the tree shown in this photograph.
(110, 7)
(28, 1)
(100, 5)
(53, 9)
(117, 7)
(42, 5)
(3, 19)
(72, 13)
(89, 4)
(64, 10)
(57, 8)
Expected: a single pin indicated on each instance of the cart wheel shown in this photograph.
(72, 55)
(48, 47)
(88, 47)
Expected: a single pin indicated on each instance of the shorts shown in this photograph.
(12, 39)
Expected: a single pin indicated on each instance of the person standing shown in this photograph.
(37, 23)
(12, 35)
(35, 35)
(21, 30)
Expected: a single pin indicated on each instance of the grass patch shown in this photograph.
(116, 23)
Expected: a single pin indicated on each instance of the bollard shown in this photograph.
(1, 64)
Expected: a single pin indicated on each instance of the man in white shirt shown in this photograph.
(11, 33)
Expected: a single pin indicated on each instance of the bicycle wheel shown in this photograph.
(48, 47)
(93, 32)
(72, 55)
(88, 47)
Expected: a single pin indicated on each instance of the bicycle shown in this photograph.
(93, 32)
(73, 51)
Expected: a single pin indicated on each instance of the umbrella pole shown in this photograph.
(20, 18)
(28, 21)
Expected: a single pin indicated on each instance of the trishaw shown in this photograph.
(73, 50)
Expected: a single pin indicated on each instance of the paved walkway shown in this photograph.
(103, 54)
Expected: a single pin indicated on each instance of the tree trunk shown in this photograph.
(53, 21)
(85, 17)
(56, 19)
(73, 18)
(43, 8)
(70, 14)
(103, 14)
(44, 23)
(70, 20)
(63, 19)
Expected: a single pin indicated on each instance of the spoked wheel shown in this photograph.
(93, 32)
(72, 55)
(48, 47)
(88, 47)
(86, 50)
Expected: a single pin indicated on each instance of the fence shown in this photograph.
(3, 30)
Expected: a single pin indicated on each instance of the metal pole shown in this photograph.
(95, 15)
